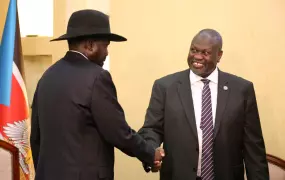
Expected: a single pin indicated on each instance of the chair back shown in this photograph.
(9, 161)
(276, 167)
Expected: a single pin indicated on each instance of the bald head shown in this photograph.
(205, 52)
(209, 35)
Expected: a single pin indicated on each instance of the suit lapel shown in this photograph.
(223, 93)
(185, 94)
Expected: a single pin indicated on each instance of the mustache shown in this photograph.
(195, 60)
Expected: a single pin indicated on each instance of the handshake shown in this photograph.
(159, 154)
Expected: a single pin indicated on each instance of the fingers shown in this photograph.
(159, 154)
(157, 162)
(156, 167)
(161, 150)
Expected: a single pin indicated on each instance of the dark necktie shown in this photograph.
(207, 164)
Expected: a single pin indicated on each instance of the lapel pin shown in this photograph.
(226, 88)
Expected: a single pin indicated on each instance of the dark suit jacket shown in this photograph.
(238, 139)
(77, 121)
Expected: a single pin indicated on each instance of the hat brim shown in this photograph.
(109, 37)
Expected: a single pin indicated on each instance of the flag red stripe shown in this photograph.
(18, 109)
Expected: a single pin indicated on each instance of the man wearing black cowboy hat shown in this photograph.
(76, 118)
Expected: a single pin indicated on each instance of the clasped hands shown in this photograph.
(159, 154)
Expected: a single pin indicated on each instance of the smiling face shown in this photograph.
(205, 52)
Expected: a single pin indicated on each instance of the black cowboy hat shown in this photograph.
(89, 23)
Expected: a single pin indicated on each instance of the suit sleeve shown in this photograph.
(110, 120)
(35, 131)
(254, 148)
(152, 130)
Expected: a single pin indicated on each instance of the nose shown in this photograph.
(198, 56)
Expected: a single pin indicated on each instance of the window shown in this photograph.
(36, 17)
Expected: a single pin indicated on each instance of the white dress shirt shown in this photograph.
(197, 87)
(79, 53)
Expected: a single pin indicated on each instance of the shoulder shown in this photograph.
(74, 67)
(237, 83)
(169, 79)
(235, 79)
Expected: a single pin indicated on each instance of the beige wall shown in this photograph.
(3, 11)
(159, 34)
(37, 54)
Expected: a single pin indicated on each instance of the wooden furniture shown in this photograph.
(276, 167)
(9, 161)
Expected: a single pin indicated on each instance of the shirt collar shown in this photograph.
(213, 77)
(79, 53)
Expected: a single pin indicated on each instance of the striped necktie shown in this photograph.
(207, 127)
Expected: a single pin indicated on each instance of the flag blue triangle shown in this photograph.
(7, 54)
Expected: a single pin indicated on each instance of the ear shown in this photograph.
(93, 47)
(90, 46)
(220, 54)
